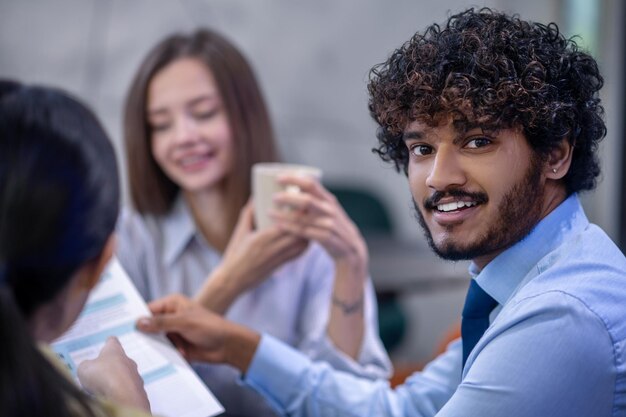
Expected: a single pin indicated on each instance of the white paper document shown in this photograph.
(113, 306)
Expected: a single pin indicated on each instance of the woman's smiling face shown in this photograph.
(191, 138)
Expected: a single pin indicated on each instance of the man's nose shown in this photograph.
(446, 170)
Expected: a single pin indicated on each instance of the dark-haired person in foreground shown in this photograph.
(59, 200)
(496, 122)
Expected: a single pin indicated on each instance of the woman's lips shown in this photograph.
(195, 162)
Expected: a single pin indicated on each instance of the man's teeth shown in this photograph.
(455, 205)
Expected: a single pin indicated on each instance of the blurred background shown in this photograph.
(312, 60)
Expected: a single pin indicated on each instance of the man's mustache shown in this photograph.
(433, 201)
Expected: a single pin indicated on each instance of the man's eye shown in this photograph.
(478, 142)
(421, 150)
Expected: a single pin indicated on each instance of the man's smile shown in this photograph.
(455, 205)
(450, 214)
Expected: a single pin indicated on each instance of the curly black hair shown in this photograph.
(496, 71)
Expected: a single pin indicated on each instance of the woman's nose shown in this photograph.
(186, 131)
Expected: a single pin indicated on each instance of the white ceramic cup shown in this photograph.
(265, 184)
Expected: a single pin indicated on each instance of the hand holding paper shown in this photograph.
(199, 334)
(114, 305)
(114, 376)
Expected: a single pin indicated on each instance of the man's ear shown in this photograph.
(93, 269)
(559, 159)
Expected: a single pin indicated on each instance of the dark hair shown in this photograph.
(496, 71)
(8, 86)
(59, 199)
(150, 188)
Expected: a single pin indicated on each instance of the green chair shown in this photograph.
(365, 209)
(369, 213)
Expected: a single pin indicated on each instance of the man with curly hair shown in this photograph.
(496, 122)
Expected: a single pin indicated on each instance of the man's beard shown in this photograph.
(518, 213)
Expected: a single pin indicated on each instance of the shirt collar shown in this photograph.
(503, 275)
(178, 230)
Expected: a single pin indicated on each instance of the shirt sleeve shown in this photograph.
(548, 355)
(296, 386)
(373, 361)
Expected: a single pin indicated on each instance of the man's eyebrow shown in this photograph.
(462, 130)
(413, 134)
(459, 137)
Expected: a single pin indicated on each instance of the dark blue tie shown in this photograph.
(478, 305)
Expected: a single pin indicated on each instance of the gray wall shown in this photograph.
(312, 59)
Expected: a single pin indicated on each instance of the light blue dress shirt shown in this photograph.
(555, 346)
(166, 254)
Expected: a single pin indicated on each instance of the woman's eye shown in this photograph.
(421, 150)
(205, 115)
(159, 127)
(479, 142)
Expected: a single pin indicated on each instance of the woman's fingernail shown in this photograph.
(143, 322)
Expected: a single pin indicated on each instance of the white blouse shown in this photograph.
(166, 254)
